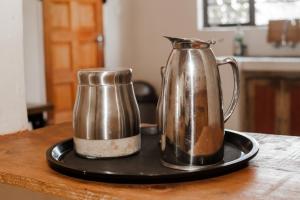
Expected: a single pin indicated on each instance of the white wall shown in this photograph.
(147, 21)
(133, 31)
(169, 17)
(142, 23)
(256, 39)
(34, 51)
(13, 116)
(118, 33)
(154, 19)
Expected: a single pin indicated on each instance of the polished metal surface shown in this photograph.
(105, 106)
(159, 108)
(192, 110)
(96, 76)
(236, 88)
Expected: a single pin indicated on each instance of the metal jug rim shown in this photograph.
(180, 43)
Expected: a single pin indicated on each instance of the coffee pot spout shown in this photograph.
(174, 39)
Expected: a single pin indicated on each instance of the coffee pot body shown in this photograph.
(190, 114)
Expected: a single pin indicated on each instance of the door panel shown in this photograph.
(88, 53)
(59, 15)
(61, 56)
(268, 106)
(63, 97)
(262, 100)
(86, 15)
(264, 112)
(273, 102)
(71, 28)
(294, 91)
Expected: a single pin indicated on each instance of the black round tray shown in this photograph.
(145, 167)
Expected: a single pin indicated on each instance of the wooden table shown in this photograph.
(273, 174)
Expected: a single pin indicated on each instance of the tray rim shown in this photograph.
(147, 178)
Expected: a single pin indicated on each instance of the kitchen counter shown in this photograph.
(291, 59)
(257, 64)
(269, 63)
(273, 174)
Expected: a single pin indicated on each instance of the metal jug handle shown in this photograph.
(236, 86)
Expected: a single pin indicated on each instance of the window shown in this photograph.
(248, 12)
(266, 10)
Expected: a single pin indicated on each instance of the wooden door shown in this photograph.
(72, 33)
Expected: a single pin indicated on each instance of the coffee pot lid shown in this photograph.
(104, 76)
(181, 43)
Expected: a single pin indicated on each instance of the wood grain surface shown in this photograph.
(273, 174)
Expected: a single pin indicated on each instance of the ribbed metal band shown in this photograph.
(103, 76)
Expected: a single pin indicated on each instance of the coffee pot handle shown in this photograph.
(236, 86)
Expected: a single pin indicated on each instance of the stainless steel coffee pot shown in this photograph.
(191, 111)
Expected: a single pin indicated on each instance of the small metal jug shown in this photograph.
(159, 107)
(192, 120)
(106, 119)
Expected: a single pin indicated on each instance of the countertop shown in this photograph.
(273, 174)
(265, 63)
(292, 59)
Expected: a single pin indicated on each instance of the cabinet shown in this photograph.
(272, 103)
